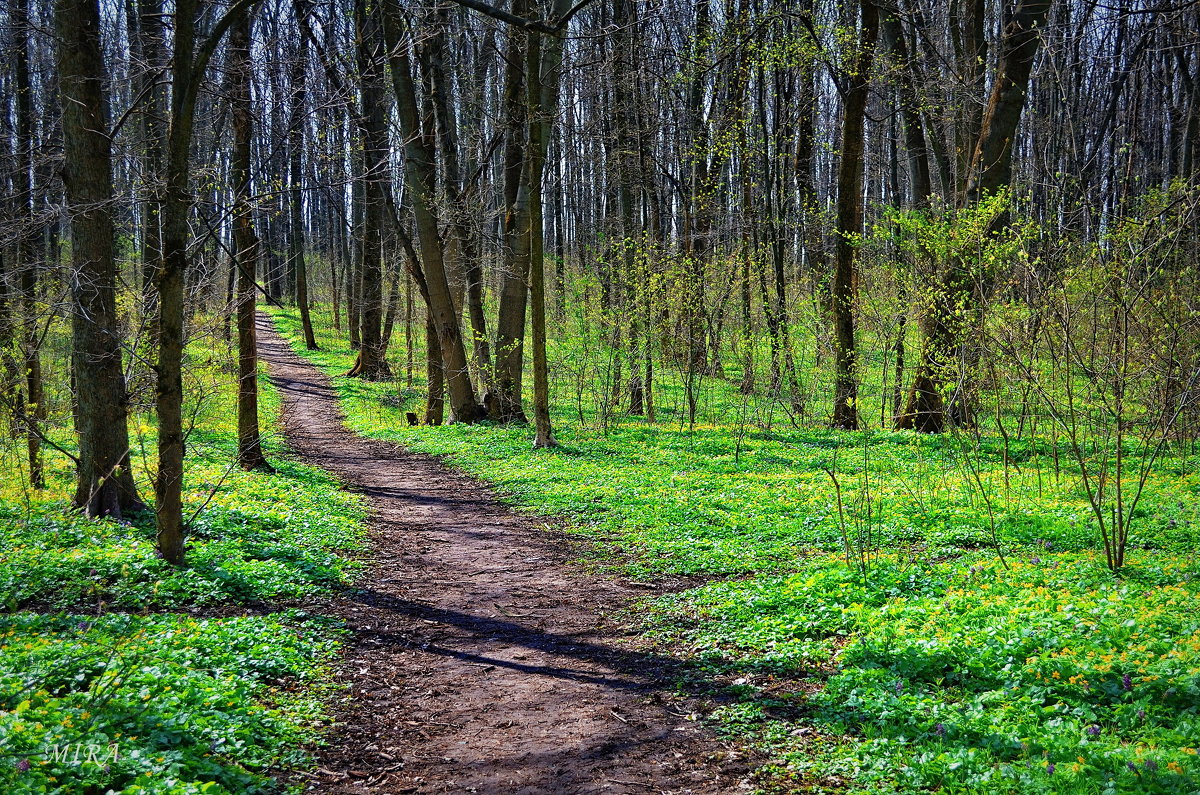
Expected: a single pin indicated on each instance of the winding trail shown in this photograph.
(480, 659)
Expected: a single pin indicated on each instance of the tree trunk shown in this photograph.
(351, 280)
(849, 221)
(926, 409)
(991, 165)
(408, 332)
(967, 32)
(420, 176)
(245, 247)
(187, 69)
(30, 408)
(920, 178)
(371, 364)
(393, 299)
(168, 486)
(104, 479)
(435, 383)
(463, 252)
(543, 71)
(626, 162)
(299, 266)
(506, 403)
(152, 45)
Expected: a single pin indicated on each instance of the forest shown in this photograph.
(579, 396)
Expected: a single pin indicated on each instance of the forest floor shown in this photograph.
(481, 657)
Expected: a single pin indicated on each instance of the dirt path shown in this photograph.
(480, 659)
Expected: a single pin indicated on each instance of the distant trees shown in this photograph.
(785, 196)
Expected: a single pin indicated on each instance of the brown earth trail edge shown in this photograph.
(479, 658)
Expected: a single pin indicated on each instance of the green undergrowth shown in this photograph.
(120, 673)
(941, 664)
(1048, 676)
(158, 703)
(729, 499)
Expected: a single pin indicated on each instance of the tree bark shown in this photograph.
(626, 162)
(463, 254)
(435, 401)
(420, 177)
(991, 165)
(187, 68)
(542, 76)
(506, 401)
(296, 236)
(849, 221)
(245, 247)
(104, 479)
(152, 45)
(371, 364)
(30, 409)
(920, 178)
(168, 506)
(926, 408)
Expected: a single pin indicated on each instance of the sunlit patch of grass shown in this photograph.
(163, 703)
(94, 659)
(931, 663)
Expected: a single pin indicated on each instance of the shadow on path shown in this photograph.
(480, 659)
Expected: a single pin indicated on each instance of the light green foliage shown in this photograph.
(185, 705)
(973, 678)
(940, 667)
(964, 237)
(259, 537)
(190, 704)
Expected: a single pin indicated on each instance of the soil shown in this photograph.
(481, 656)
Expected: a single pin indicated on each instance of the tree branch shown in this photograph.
(533, 23)
(206, 50)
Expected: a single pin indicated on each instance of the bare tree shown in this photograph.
(188, 65)
(850, 218)
(245, 245)
(104, 480)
